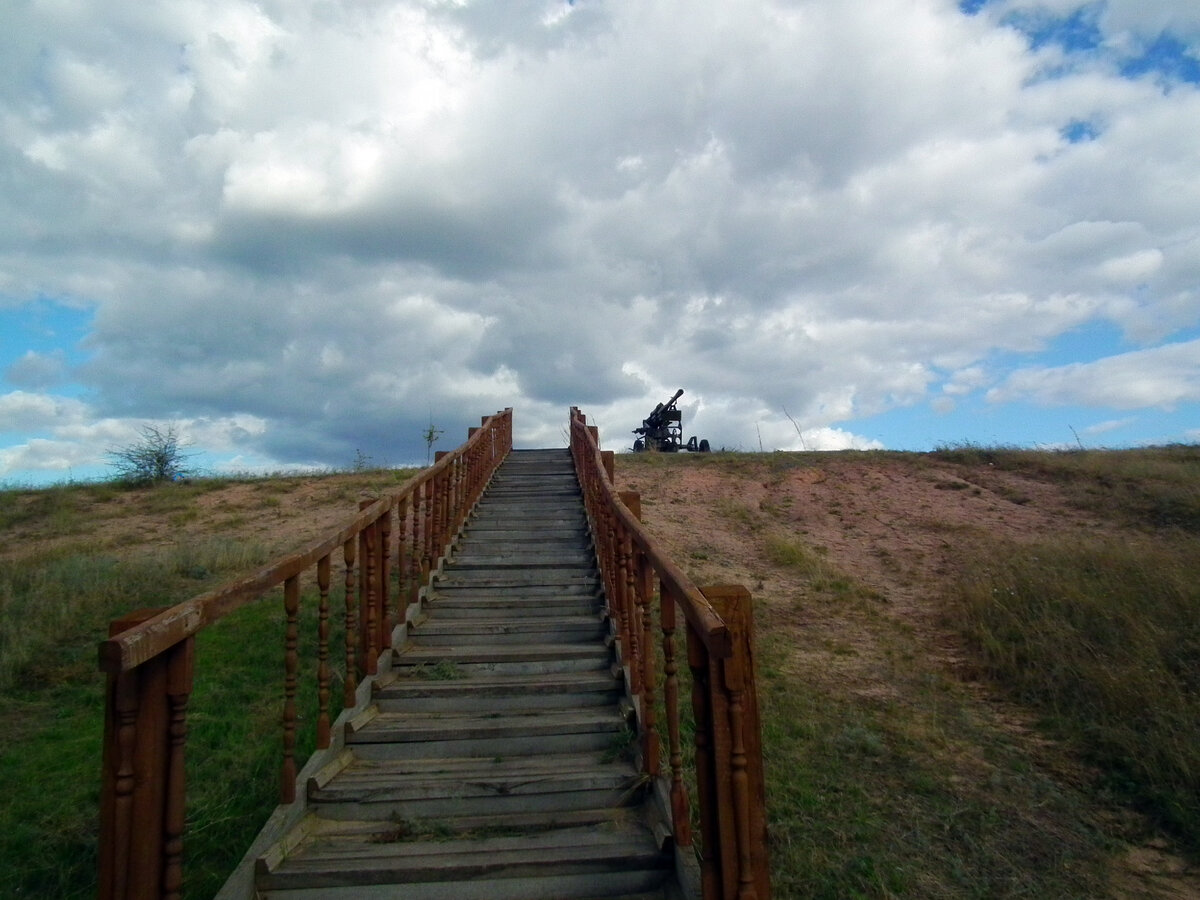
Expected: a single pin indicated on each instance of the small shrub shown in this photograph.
(156, 457)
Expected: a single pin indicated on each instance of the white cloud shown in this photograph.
(339, 220)
(1162, 378)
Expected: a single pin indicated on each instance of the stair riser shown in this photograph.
(594, 885)
(481, 589)
(586, 632)
(487, 747)
(389, 702)
(499, 543)
(534, 667)
(447, 807)
(540, 515)
(543, 582)
(526, 559)
(501, 611)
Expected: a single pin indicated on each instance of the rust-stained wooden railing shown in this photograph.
(728, 743)
(149, 656)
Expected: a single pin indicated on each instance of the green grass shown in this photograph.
(1103, 638)
(872, 799)
(1154, 487)
(52, 612)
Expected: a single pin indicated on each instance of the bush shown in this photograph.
(158, 456)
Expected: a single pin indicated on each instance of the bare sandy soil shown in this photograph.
(899, 528)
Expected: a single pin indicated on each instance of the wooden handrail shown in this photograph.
(728, 745)
(149, 656)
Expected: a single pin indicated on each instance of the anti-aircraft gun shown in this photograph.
(662, 430)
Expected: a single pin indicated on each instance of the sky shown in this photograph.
(304, 232)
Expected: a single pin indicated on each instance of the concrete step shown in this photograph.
(435, 632)
(498, 693)
(604, 860)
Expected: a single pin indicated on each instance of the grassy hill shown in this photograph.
(979, 668)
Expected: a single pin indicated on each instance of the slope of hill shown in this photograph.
(917, 743)
(903, 756)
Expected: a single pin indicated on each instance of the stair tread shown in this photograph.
(514, 759)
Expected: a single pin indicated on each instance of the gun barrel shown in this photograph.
(678, 394)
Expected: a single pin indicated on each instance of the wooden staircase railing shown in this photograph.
(728, 743)
(149, 656)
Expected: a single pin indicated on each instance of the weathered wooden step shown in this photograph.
(390, 790)
(472, 661)
(589, 862)
(449, 607)
(557, 537)
(543, 630)
(411, 694)
(400, 736)
(525, 556)
(516, 578)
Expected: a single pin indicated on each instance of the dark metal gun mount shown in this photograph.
(662, 430)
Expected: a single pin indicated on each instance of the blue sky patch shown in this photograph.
(1168, 57)
(1080, 131)
(971, 7)
(1077, 33)
(47, 328)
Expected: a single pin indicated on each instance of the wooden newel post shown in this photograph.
(737, 745)
(608, 457)
(142, 781)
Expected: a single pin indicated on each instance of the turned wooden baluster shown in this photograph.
(680, 807)
(635, 606)
(323, 672)
(414, 550)
(291, 662)
(650, 740)
(120, 746)
(368, 549)
(698, 662)
(350, 684)
(402, 570)
(427, 531)
(384, 543)
(180, 666)
(369, 589)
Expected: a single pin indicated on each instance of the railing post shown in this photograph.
(143, 788)
(736, 727)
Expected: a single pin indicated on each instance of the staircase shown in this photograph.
(496, 760)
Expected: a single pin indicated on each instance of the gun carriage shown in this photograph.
(662, 431)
